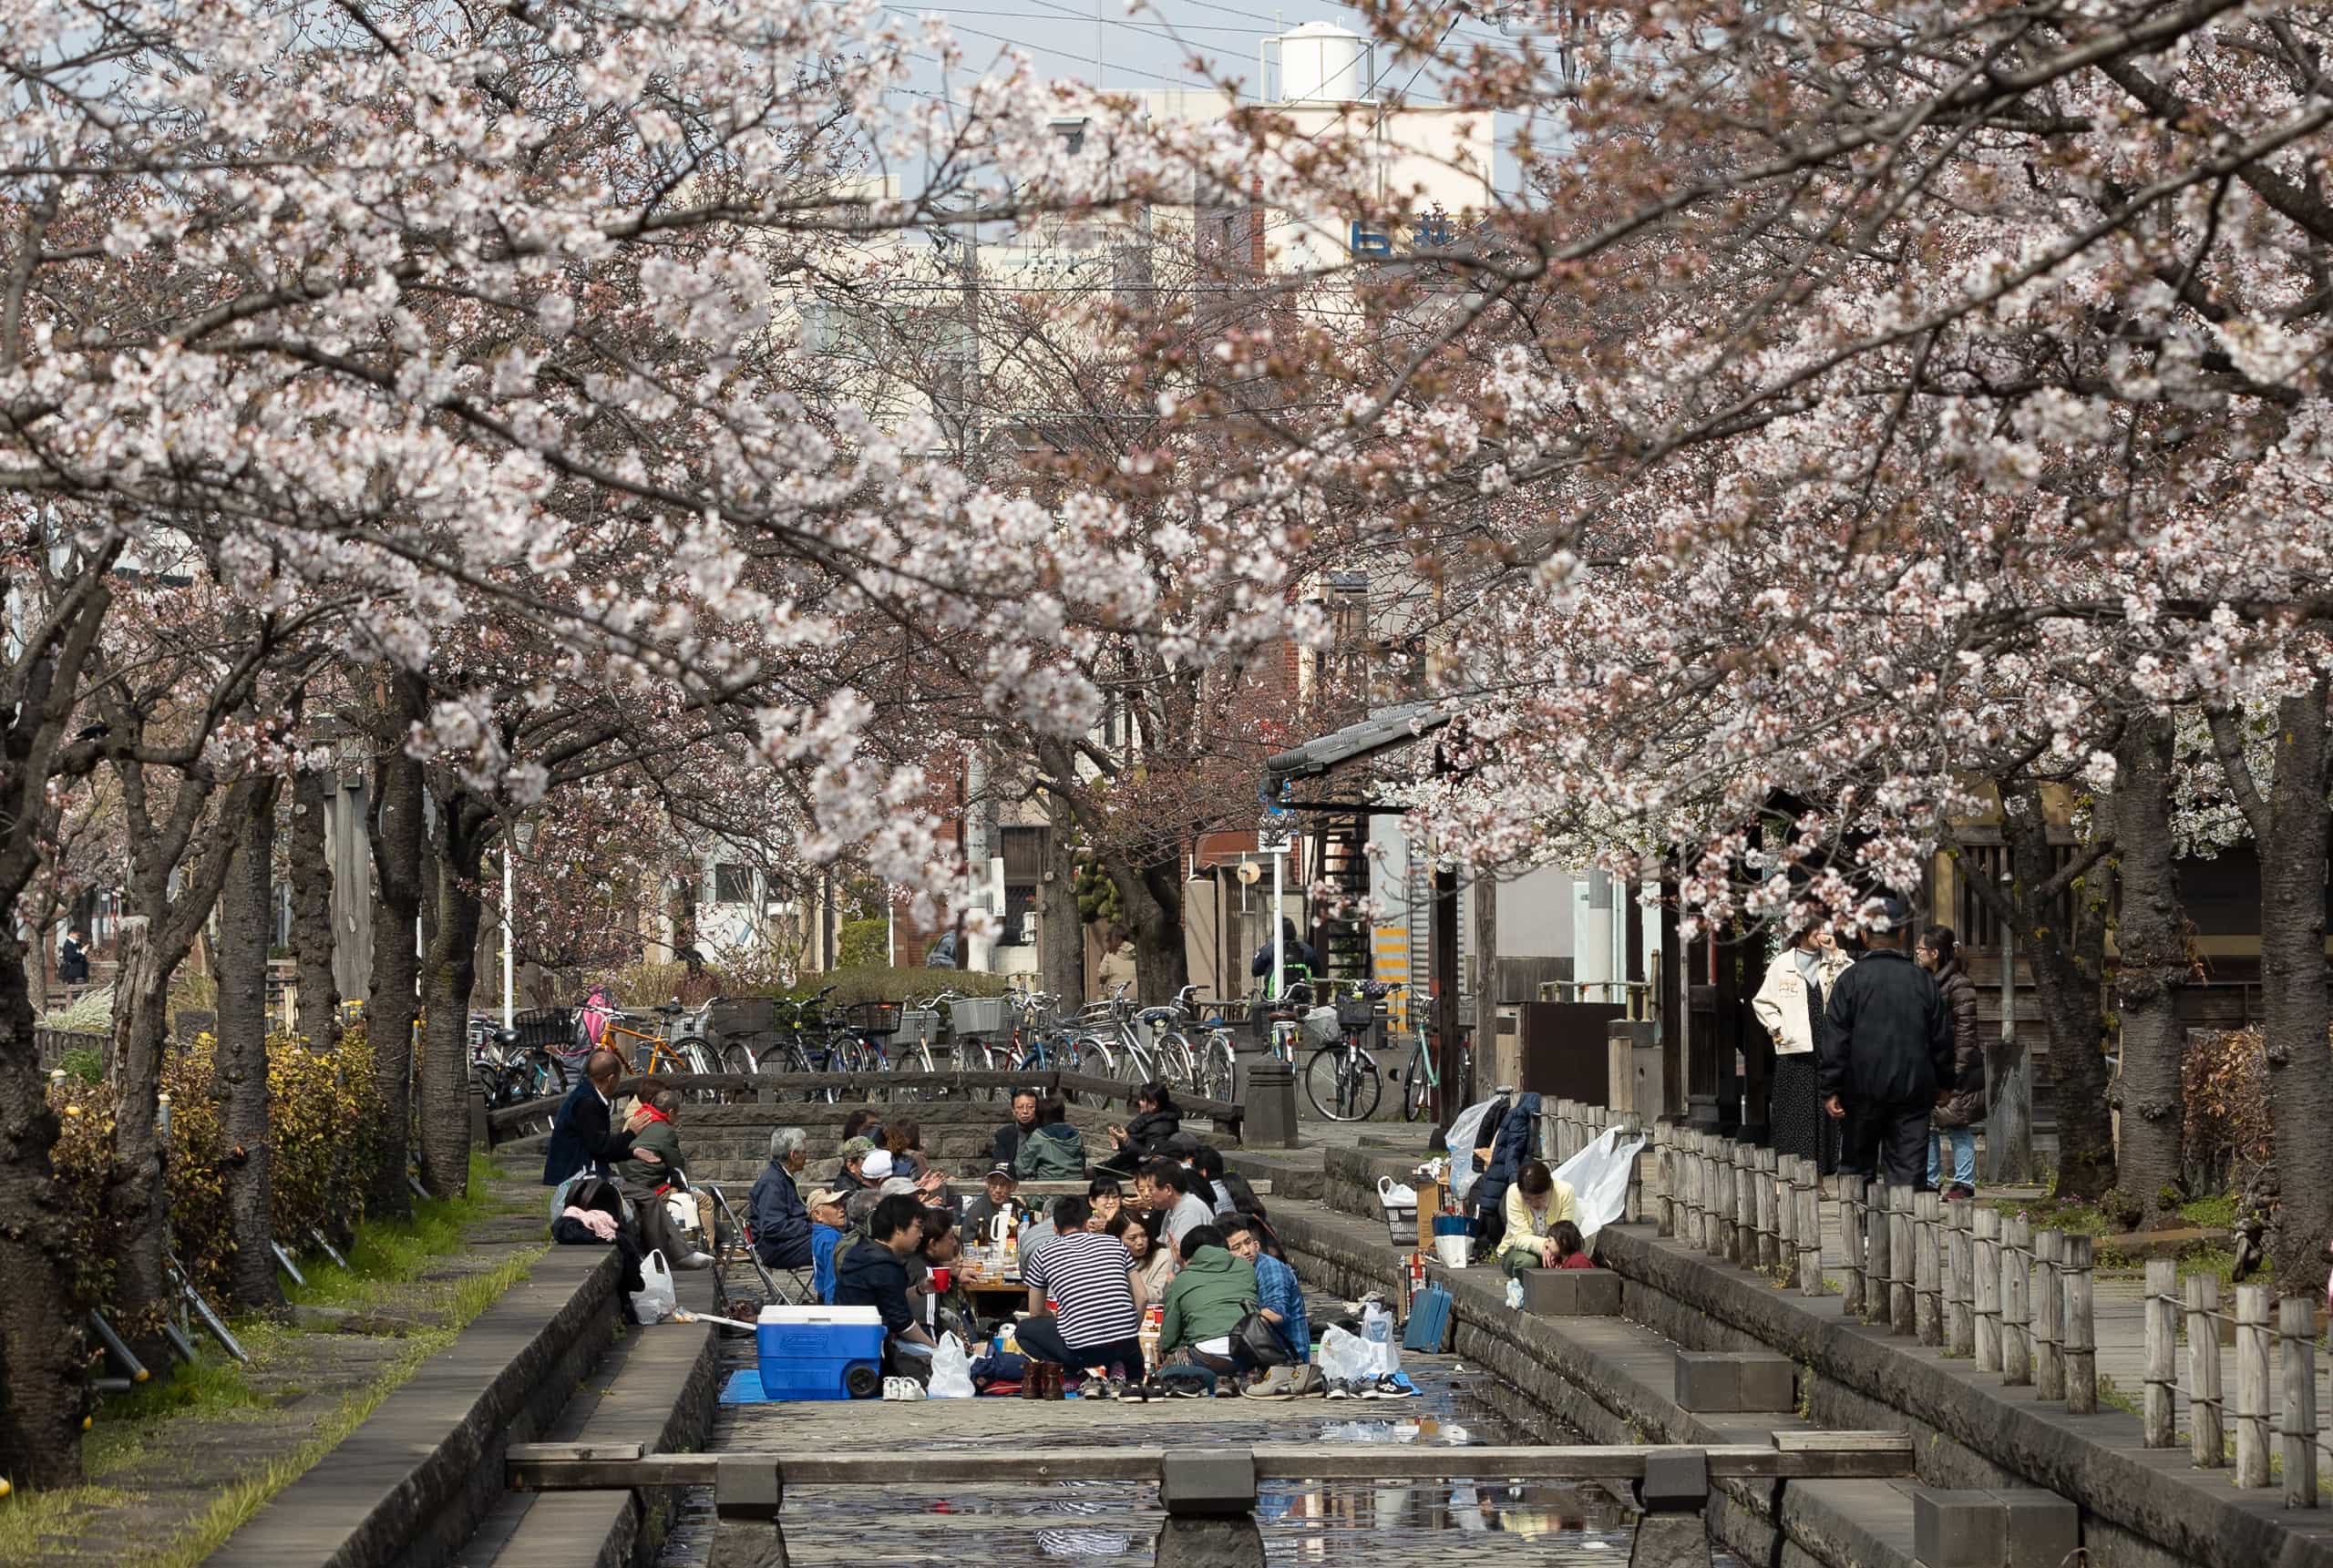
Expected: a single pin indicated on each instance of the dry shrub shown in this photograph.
(2224, 1086)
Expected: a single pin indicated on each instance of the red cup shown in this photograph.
(940, 1279)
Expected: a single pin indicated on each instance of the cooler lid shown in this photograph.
(861, 1315)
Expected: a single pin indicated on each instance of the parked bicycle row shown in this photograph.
(1189, 1043)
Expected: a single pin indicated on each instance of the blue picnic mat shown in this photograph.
(744, 1388)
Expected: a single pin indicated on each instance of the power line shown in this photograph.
(1113, 21)
(1046, 48)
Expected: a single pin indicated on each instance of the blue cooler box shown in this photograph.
(809, 1352)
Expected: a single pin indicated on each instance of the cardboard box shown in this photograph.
(1429, 1206)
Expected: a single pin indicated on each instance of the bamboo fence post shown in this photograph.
(1806, 1227)
(2082, 1330)
(2162, 1316)
(1988, 1287)
(1778, 1247)
(2017, 1311)
(1852, 1236)
(2296, 1432)
(2251, 1385)
(1960, 1283)
(2049, 1325)
(1926, 1268)
(1664, 1171)
(1746, 1239)
(2208, 1443)
(1876, 1266)
(1899, 1257)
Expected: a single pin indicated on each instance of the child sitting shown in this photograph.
(1569, 1246)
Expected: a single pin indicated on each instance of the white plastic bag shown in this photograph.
(1598, 1177)
(1381, 1352)
(1343, 1358)
(654, 1301)
(681, 1207)
(1465, 1137)
(951, 1370)
(1394, 1195)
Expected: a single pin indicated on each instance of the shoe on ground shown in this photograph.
(912, 1389)
(1092, 1389)
(1141, 1393)
(1276, 1383)
(696, 1260)
(1113, 1387)
(1393, 1386)
(1339, 1388)
(890, 1388)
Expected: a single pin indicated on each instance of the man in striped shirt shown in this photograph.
(1094, 1324)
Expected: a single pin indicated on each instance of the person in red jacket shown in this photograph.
(1570, 1247)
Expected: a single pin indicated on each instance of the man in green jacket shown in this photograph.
(655, 1161)
(1214, 1291)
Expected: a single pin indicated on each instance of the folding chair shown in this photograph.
(780, 1287)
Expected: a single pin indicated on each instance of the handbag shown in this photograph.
(1260, 1342)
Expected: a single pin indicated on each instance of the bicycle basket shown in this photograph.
(875, 1018)
(977, 1015)
(1356, 1012)
(1321, 1027)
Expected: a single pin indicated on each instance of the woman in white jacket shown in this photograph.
(1789, 1005)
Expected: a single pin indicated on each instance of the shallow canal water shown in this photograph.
(1357, 1524)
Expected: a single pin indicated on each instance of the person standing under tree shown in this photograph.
(1887, 1053)
(1789, 1005)
(1959, 1109)
(73, 959)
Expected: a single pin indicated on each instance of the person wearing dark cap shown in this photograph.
(1886, 1052)
(996, 1199)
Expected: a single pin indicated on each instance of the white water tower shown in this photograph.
(1321, 62)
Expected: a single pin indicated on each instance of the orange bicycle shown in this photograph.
(662, 1040)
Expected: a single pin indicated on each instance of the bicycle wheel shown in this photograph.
(1219, 1069)
(1343, 1082)
(1090, 1056)
(733, 1057)
(695, 1053)
(1176, 1063)
(1417, 1087)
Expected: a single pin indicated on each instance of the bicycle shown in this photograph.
(1209, 1069)
(1342, 1079)
(1123, 1054)
(1422, 1076)
(686, 1051)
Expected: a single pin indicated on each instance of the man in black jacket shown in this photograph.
(580, 1137)
(874, 1274)
(1886, 1051)
(1004, 1149)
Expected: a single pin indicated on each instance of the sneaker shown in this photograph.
(1339, 1388)
(890, 1388)
(1393, 1386)
(1141, 1393)
(1091, 1388)
(1113, 1387)
(696, 1260)
(912, 1389)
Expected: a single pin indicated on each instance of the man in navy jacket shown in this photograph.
(580, 1137)
(1885, 1054)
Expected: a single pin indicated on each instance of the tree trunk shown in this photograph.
(390, 1010)
(1061, 929)
(2068, 967)
(238, 1065)
(2294, 1012)
(40, 1331)
(312, 932)
(1151, 892)
(135, 1202)
(2151, 945)
(447, 978)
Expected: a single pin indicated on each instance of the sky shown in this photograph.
(1150, 47)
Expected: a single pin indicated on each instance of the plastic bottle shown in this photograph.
(1514, 1293)
(1377, 1330)
(1152, 1320)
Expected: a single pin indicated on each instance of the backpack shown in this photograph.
(591, 1020)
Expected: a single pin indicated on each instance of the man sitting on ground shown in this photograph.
(1279, 1295)
(996, 1199)
(1004, 1149)
(827, 1222)
(1170, 1186)
(1055, 1151)
(1203, 1306)
(853, 1177)
(875, 1275)
(774, 1209)
(1095, 1322)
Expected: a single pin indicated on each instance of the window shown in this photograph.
(733, 883)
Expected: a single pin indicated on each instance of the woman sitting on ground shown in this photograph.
(1154, 1265)
(1571, 1247)
(1534, 1205)
(1144, 1139)
(1107, 1200)
(904, 1140)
